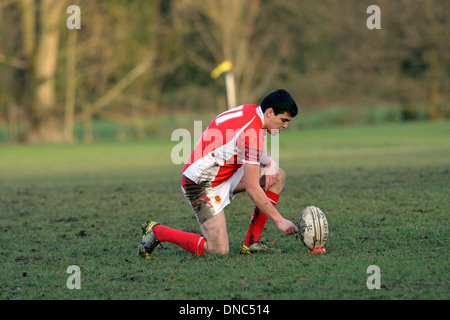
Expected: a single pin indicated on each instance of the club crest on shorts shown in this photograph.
(217, 199)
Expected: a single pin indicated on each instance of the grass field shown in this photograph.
(385, 190)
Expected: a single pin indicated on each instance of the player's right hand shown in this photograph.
(287, 227)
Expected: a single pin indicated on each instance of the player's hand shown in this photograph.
(270, 175)
(287, 227)
(269, 180)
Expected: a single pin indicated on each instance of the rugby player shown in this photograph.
(229, 159)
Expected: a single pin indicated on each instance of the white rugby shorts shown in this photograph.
(207, 201)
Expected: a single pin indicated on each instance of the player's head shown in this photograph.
(280, 101)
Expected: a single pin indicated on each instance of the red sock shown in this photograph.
(190, 242)
(259, 220)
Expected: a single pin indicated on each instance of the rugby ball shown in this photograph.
(313, 228)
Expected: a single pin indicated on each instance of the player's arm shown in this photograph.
(256, 193)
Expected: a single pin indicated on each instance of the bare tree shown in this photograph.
(243, 32)
(420, 45)
(42, 54)
(71, 84)
(122, 50)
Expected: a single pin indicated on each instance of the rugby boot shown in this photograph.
(149, 241)
(259, 247)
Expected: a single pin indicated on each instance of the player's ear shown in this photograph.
(269, 112)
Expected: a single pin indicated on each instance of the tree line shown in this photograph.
(131, 59)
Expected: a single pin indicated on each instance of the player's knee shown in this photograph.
(281, 176)
(279, 184)
(222, 250)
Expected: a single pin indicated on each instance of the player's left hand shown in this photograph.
(270, 174)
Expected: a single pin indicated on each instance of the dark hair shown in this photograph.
(280, 101)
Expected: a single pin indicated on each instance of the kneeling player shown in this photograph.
(229, 159)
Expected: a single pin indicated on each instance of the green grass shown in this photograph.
(384, 189)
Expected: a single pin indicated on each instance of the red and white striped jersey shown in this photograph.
(233, 138)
